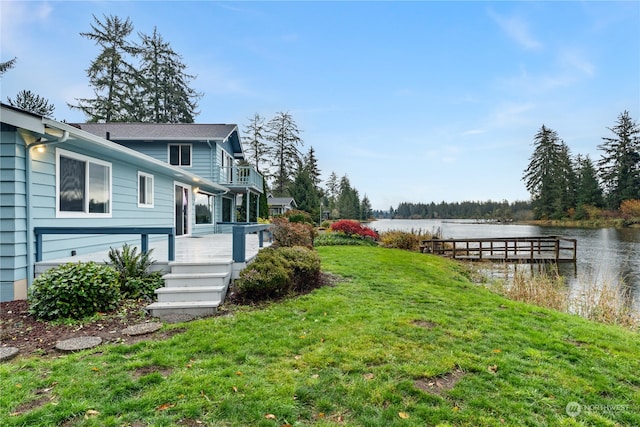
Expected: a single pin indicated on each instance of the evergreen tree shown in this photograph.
(543, 174)
(348, 203)
(304, 191)
(111, 75)
(6, 66)
(588, 190)
(311, 164)
(331, 194)
(254, 143)
(365, 209)
(619, 165)
(264, 202)
(284, 136)
(168, 98)
(29, 101)
(567, 181)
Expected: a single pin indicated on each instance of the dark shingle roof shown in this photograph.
(159, 131)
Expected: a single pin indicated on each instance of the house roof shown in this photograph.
(51, 132)
(159, 131)
(165, 132)
(281, 201)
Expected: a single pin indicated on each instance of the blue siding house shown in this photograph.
(178, 176)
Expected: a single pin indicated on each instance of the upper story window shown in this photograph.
(145, 190)
(83, 185)
(180, 154)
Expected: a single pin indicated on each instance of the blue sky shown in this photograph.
(413, 101)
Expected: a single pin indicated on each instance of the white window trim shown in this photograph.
(147, 177)
(213, 208)
(180, 156)
(87, 159)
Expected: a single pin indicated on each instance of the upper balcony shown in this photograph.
(239, 179)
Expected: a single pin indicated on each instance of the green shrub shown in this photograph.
(74, 291)
(277, 272)
(135, 279)
(305, 267)
(296, 215)
(289, 234)
(268, 276)
(341, 239)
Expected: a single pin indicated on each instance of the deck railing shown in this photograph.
(510, 249)
(144, 233)
(240, 232)
(241, 176)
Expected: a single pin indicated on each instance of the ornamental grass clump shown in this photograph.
(74, 291)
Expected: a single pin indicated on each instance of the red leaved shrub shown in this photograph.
(353, 228)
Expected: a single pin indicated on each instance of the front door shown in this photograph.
(182, 209)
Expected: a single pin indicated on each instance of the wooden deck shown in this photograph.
(542, 249)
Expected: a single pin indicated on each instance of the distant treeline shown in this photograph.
(490, 210)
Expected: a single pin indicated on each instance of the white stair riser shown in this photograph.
(204, 296)
(191, 311)
(200, 268)
(191, 280)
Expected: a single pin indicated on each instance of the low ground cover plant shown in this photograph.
(74, 291)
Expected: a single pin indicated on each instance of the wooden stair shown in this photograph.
(192, 289)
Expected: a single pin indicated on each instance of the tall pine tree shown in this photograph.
(284, 136)
(543, 176)
(166, 85)
(619, 165)
(255, 146)
(113, 78)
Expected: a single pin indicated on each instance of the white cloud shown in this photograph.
(516, 29)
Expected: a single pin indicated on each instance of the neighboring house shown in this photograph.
(110, 175)
(280, 205)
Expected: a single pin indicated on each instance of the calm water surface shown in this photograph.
(605, 255)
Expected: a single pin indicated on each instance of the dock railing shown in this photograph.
(508, 249)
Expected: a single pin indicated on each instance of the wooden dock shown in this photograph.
(543, 249)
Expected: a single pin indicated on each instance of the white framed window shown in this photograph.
(180, 154)
(204, 208)
(145, 190)
(226, 161)
(83, 185)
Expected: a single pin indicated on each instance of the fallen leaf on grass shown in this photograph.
(497, 350)
(270, 416)
(403, 415)
(165, 406)
(492, 368)
(90, 414)
(369, 376)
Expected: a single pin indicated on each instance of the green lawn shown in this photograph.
(405, 339)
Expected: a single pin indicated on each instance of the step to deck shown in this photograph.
(191, 293)
(191, 308)
(195, 279)
(190, 267)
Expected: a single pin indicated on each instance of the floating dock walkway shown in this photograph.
(543, 249)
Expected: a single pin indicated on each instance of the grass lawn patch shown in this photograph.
(404, 340)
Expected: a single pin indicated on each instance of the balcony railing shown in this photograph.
(241, 177)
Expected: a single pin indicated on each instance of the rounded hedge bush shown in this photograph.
(268, 276)
(74, 290)
(305, 267)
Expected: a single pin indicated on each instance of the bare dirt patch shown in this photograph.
(440, 384)
(425, 324)
(35, 337)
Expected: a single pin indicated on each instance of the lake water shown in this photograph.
(605, 255)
